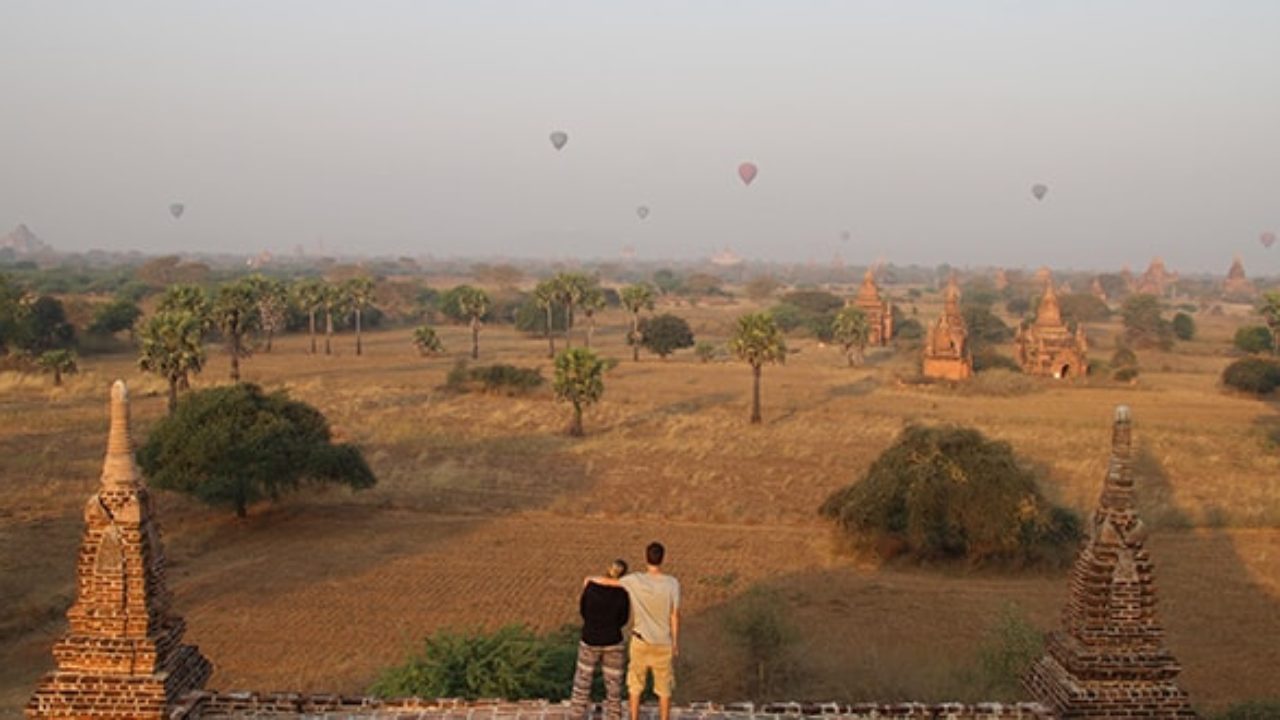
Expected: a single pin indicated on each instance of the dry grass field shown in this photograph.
(486, 513)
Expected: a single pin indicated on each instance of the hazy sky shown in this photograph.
(421, 128)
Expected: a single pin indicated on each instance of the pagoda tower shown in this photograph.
(879, 315)
(1109, 659)
(946, 349)
(122, 655)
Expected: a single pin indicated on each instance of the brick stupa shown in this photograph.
(946, 348)
(879, 316)
(122, 656)
(1109, 660)
(1237, 286)
(1047, 346)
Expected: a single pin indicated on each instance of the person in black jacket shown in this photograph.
(605, 612)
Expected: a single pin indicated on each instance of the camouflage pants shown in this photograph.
(611, 659)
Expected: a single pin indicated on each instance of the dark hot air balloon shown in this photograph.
(747, 171)
(176, 210)
(1267, 239)
(643, 211)
(559, 138)
(1039, 190)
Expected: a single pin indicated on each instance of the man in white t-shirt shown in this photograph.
(655, 629)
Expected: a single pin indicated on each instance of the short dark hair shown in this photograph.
(654, 553)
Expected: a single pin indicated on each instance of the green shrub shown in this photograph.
(909, 329)
(949, 492)
(759, 629)
(1124, 364)
(512, 663)
(1125, 374)
(664, 334)
(706, 351)
(1007, 650)
(1254, 339)
(1000, 382)
(457, 378)
(508, 379)
(1184, 326)
(1255, 375)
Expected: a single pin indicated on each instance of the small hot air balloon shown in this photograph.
(176, 210)
(1267, 239)
(747, 171)
(1039, 190)
(642, 211)
(559, 138)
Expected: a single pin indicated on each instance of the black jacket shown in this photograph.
(605, 611)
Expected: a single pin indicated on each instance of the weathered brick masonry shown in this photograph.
(123, 657)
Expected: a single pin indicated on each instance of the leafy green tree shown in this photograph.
(949, 492)
(1254, 339)
(235, 445)
(427, 341)
(465, 303)
(761, 287)
(309, 294)
(757, 340)
(1184, 326)
(636, 299)
(115, 316)
(334, 302)
(579, 381)
(1255, 375)
(852, 331)
(58, 363)
(547, 295)
(705, 351)
(664, 334)
(235, 313)
(173, 348)
(11, 313)
(1082, 308)
(1124, 364)
(512, 663)
(44, 326)
(985, 329)
(1144, 325)
(1270, 311)
(184, 297)
(272, 305)
(360, 292)
(667, 281)
(571, 289)
(757, 625)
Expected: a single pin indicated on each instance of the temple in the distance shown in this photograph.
(946, 347)
(1047, 346)
(879, 314)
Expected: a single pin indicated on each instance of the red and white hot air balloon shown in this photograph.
(1267, 239)
(747, 172)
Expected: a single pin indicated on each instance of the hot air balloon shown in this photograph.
(1039, 190)
(559, 138)
(176, 210)
(1267, 239)
(747, 171)
(643, 211)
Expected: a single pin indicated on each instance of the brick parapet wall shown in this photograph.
(211, 705)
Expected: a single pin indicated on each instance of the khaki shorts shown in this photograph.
(645, 657)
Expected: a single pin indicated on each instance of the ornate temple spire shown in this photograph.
(1109, 660)
(1049, 314)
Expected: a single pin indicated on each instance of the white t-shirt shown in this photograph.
(653, 598)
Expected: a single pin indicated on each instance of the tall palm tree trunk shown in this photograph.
(475, 338)
(591, 328)
(234, 347)
(311, 319)
(328, 332)
(575, 429)
(755, 394)
(551, 338)
(173, 394)
(359, 347)
(568, 326)
(635, 337)
(269, 334)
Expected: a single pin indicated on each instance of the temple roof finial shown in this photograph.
(119, 469)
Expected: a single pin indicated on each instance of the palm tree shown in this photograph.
(580, 381)
(309, 294)
(59, 363)
(427, 341)
(334, 302)
(852, 330)
(235, 314)
(360, 294)
(592, 302)
(636, 298)
(546, 295)
(173, 348)
(1270, 310)
(571, 288)
(273, 300)
(184, 297)
(757, 340)
(473, 304)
